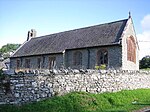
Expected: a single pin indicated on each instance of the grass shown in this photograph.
(87, 102)
(147, 69)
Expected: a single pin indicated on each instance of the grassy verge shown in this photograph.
(123, 101)
(147, 69)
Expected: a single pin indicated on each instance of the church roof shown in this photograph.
(98, 35)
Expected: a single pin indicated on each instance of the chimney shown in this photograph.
(31, 34)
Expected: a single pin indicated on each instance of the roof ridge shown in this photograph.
(80, 28)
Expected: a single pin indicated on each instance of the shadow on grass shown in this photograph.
(136, 104)
(142, 104)
(115, 111)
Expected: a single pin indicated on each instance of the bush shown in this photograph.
(145, 62)
(101, 67)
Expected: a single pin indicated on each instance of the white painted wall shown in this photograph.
(129, 31)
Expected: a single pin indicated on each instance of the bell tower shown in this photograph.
(31, 33)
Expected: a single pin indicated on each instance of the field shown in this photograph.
(123, 101)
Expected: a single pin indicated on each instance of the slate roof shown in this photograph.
(98, 35)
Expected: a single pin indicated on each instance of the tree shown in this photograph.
(145, 62)
(7, 49)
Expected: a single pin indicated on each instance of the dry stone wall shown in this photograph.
(33, 87)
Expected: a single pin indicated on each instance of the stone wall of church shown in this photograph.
(33, 61)
(114, 57)
(89, 59)
(34, 87)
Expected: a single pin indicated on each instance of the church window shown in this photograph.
(38, 62)
(27, 63)
(102, 57)
(77, 58)
(52, 62)
(18, 63)
(131, 49)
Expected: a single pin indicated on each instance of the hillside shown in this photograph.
(124, 101)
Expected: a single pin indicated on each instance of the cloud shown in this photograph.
(144, 43)
(144, 37)
(145, 23)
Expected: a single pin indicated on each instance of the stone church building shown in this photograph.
(112, 44)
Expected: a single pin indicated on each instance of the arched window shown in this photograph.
(131, 49)
(52, 62)
(18, 63)
(27, 63)
(38, 62)
(77, 58)
(102, 57)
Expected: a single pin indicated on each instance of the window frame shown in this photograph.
(131, 49)
(39, 63)
(102, 58)
(52, 62)
(27, 63)
(77, 58)
(18, 63)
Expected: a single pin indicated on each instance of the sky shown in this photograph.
(17, 17)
